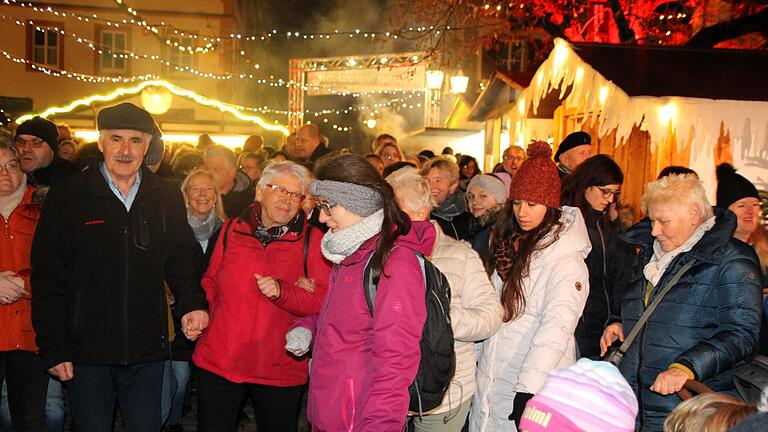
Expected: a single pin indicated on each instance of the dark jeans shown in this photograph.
(219, 402)
(27, 381)
(95, 390)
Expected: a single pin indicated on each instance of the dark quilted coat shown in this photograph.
(709, 321)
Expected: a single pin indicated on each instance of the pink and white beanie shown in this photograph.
(590, 396)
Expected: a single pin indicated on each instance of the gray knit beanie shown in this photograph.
(360, 200)
(493, 185)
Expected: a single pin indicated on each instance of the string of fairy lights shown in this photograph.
(404, 101)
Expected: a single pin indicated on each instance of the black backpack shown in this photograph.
(438, 360)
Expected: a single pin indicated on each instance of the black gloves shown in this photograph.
(519, 406)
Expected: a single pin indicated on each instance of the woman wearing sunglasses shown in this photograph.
(594, 187)
(262, 276)
(363, 362)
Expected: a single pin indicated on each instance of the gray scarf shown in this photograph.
(338, 245)
(203, 229)
(9, 203)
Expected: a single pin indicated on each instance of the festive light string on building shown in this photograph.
(212, 40)
(75, 75)
(124, 91)
(109, 22)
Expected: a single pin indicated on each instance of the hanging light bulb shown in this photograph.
(459, 83)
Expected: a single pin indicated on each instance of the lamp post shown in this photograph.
(432, 105)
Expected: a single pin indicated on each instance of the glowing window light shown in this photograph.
(579, 73)
(521, 107)
(123, 91)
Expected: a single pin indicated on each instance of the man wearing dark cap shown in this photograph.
(107, 240)
(37, 142)
(575, 149)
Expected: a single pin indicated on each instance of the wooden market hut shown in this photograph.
(650, 107)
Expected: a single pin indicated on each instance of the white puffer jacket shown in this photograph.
(519, 357)
(476, 312)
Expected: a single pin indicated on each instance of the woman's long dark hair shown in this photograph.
(352, 168)
(466, 159)
(528, 242)
(599, 170)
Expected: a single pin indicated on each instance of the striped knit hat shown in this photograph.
(590, 396)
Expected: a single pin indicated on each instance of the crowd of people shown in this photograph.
(132, 271)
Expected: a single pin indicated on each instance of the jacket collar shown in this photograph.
(706, 250)
(98, 186)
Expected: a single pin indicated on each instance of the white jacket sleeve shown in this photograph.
(567, 287)
(479, 316)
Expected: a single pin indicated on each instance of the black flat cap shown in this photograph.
(125, 116)
(574, 139)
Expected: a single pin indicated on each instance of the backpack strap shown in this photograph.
(226, 233)
(369, 288)
(307, 234)
(617, 355)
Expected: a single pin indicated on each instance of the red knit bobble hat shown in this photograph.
(536, 180)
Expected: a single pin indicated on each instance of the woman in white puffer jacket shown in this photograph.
(475, 309)
(538, 252)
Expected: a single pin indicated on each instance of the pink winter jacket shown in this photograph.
(361, 365)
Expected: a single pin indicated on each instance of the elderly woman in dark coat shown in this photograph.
(708, 323)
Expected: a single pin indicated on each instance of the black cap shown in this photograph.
(574, 139)
(42, 128)
(125, 116)
(732, 187)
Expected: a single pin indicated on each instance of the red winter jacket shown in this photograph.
(16, 234)
(245, 339)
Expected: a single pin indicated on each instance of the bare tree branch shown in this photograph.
(626, 34)
(712, 35)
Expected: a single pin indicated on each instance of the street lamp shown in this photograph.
(459, 83)
(433, 95)
(435, 79)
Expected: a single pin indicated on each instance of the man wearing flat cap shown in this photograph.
(107, 240)
(37, 142)
(575, 149)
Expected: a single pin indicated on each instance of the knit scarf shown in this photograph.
(504, 252)
(340, 244)
(453, 206)
(660, 260)
(9, 203)
(203, 229)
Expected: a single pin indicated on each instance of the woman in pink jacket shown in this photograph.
(363, 364)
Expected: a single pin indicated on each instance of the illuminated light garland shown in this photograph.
(78, 76)
(111, 23)
(125, 55)
(263, 36)
(202, 100)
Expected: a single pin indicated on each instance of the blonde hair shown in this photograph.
(444, 164)
(219, 207)
(709, 412)
(411, 189)
(677, 189)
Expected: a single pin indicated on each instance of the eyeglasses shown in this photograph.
(324, 205)
(11, 166)
(34, 143)
(281, 193)
(607, 193)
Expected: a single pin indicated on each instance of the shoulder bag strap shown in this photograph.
(307, 234)
(616, 357)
